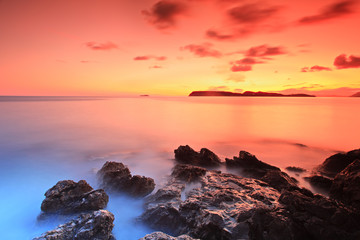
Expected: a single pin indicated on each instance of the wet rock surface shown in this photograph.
(295, 169)
(96, 225)
(116, 177)
(188, 173)
(346, 185)
(204, 158)
(219, 209)
(250, 165)
(163, 236)
(338, 162)
(70, 197)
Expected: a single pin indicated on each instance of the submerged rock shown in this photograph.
(320, 182)
(96, 225)
(295, 169)
(116, 177)
(250, 165)
(70, 197)
(163, 236)
(204, 158)
(346, 185)
(338, 162)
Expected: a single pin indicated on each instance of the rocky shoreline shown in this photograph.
(200, 202)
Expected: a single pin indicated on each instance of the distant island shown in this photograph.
(244, 94)
(356, 95)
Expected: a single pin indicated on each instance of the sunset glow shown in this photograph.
(173, 47)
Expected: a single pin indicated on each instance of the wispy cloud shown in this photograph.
(335, 10)
(164, 14)
(342, 61)
(149, 57)
(101, 46)
(241, 68)
(265, 51)
(202, 50)
(315, 68)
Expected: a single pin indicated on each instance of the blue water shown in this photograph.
(44, 141)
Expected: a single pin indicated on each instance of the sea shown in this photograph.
(47, 139)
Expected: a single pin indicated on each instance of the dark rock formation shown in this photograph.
(188, 173)
(279, 180)
(245, 94)
(318, 217)
(338, 162)
(320, 182)
(250, 165)
(96, 225)
(295, 169)
(116, 177)
(163, 236)
(346, 185)
(356, 95)
(70, 197)
(204, 158)
(220, 208)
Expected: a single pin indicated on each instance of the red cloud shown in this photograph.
(342, 61)
(332, 11)
(248, 61)
(241, 68)
(315, 68)
(203, 50)
(218, 36)
(251, 13)
(164, 13)
(155, 66)
(101, 46)
(148, 57)
(264, 50)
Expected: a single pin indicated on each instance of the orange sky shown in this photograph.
(122, 47)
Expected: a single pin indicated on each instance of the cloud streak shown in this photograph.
(334, 10)
(149, 57)
(342, 61)
(265, 51)
(101, 46)
(164, 14)
(315, 68)
(241, 68)
(202, 50)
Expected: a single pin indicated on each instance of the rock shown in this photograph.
(204, 158)
(295, 169)
(250, 165)
(96, 225)
(163, 236)
(346, 185)
(70, 197)
(279, 180)
(188, 173)
(116, 177)
(338, 162)
(320, 182)
(218, 209)
(318, 217)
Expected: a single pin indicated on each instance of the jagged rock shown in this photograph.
(96, 225)
(295, 169)
(346, 185)
(279, 180)
(70, 197)
(250, 165)
(116, 177)
(218, 209)
(163, 236)
(318, 217)
(188, 173)
(338, 162)
(320, 182)
(204, 158)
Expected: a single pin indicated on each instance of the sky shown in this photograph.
(173, 47)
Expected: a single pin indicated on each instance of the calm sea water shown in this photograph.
(44, 140)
